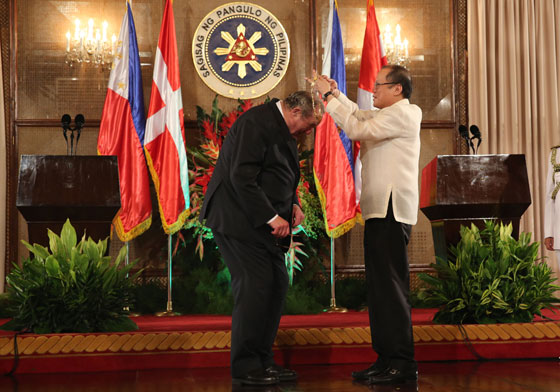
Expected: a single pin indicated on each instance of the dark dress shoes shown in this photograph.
(283, 374)
(371, 371)
(393, 376)
(256, 377)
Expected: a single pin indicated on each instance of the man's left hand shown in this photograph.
(297, 216)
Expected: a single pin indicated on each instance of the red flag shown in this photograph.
(373, 59)
(165, 133)
(121, 133)
(332, 162)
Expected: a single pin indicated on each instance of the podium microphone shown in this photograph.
(464, 133)
(65, 122)
(79, 121)
(475, 132)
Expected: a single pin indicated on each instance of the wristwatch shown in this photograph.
(325, 95)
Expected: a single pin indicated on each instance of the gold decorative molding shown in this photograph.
(216, 341)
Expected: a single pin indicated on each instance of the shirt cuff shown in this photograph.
(274, 217)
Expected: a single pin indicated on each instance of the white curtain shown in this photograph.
(3, 173)
(514, 87)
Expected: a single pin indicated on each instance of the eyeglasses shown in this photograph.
(383, 84)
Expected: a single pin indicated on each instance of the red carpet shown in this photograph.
(204, 340)
(219, 323)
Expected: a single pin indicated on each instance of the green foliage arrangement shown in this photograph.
(203, 286)
(5, 306)
(73, 287)
(490, 278)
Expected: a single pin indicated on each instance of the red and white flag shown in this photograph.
(164, 142)
(373, 59)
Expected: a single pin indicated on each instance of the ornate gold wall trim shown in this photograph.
(461, 64)
(5, 54)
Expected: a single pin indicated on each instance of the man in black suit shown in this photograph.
(251, 206)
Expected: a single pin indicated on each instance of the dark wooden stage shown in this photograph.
(471, 376)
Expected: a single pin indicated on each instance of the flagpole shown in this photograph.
(126, 261)
(126, 308)
(169, 311)
(333, 308)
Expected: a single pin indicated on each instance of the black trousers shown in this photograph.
(259, 283)
(388, 285)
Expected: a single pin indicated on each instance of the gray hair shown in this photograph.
(310, 104)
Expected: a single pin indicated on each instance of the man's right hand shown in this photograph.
(280, 227)
(333, 84)
(549, 243)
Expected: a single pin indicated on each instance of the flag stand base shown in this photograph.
(131, 314)
(169, 312)
(335, 309)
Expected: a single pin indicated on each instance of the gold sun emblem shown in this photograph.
(241, 51)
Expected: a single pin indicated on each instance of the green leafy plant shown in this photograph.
(490, 277)
(5, 306)
(73, 287)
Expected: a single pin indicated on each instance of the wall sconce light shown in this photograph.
(86, 47)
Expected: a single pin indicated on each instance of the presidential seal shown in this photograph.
(240, 50)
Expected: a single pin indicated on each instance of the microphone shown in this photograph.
(464, 133)
(65, 121)
(79, 121)
(475, 132)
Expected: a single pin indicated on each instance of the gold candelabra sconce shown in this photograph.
(396, 48)
(90, 45)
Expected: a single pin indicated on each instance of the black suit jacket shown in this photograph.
(255, 177)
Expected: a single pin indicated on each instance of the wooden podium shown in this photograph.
(52, 188)
(463, 189)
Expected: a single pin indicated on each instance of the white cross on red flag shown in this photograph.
(164, 141)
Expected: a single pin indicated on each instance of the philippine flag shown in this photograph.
(121, 133)
(333, 157)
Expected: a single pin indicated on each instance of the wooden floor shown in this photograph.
(499, 376)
